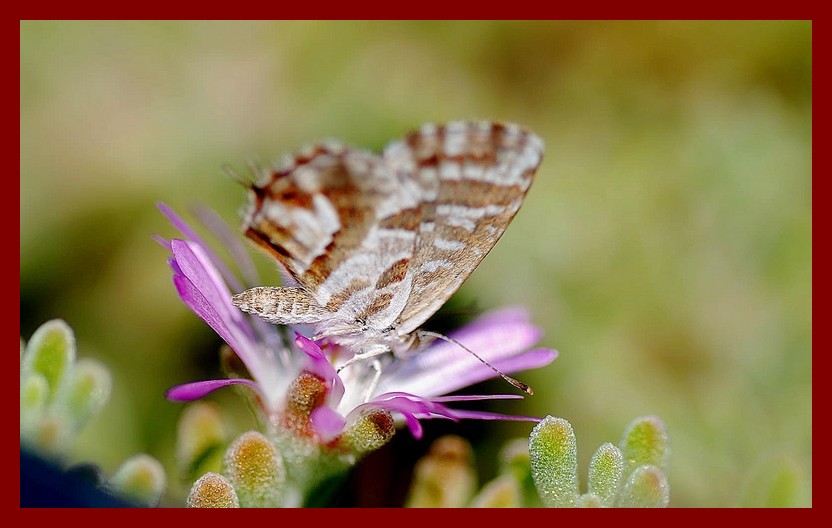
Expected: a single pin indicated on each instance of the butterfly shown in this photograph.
(374, 245)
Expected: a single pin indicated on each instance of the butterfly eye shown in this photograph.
(361, 323)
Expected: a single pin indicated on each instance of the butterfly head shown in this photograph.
(359, 335)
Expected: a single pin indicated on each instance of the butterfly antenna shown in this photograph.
(245, 182)
(257, 170)
(518, 384)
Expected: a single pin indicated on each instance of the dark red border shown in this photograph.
(430, 9)
(426, 9)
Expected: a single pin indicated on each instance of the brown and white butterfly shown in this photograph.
(376, 244)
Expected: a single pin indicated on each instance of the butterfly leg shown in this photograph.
(376, 365)
(370, 352)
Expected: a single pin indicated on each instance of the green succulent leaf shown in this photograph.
(256, 470)
(775, 484)
(200, 440)
(88, 390)
(647, 487)
(590, 500)
(212, 490)
(605, 472)
(553, 453)
(34, 391)
(141, 479)
(514, 458)
(444, 478)
(645, 441)
(50, 353)
(371, 430)
(50, 435)
(502, 492)
(515, 461)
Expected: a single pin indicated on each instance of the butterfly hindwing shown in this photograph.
(333, 218)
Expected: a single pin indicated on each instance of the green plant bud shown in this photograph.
(212, 491)
(502, 492)
(647, 487)
(514, 458)
(605, 472)
(372, 429)
(776, 484)
(553, 453)
(256, 470)
(590, 500)
(645, 441)
(50, 353)
(88, 390)
(140, 479)
(201, 436)
(444, 477)
(50, 435)
(34, 390)
(515, 462)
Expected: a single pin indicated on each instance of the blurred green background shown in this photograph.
(665, 246)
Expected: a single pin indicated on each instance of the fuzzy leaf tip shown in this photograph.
(645, 442)
(553, 453)
(201, 435)
(605, 472)
(444, 478)
(212, 490)
(502, 492)
(647, 487)
(50, 353)
(141, 478)
(372, 429)
(89, 389)
(256, 470)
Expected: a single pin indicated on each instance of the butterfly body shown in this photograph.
(376, 244)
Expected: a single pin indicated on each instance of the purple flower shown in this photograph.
(297, 386)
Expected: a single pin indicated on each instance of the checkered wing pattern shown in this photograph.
(377, 244)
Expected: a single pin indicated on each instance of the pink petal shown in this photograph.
(508, 315)
(191, 235)
(319, 365)
(327, 423)
(209, 303)
(162, 241)
(205, 309)
(445, 367)
(198, 268)
(195, 265)
(411, 407)
(440, 370)
(241, 258)
(401, 406)
(467, 397)
(481, 415)
(496, 339)
(193, 391)
(231, 241)
(532, 359)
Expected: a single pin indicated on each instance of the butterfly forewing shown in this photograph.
(474, 177)
(378, 244)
